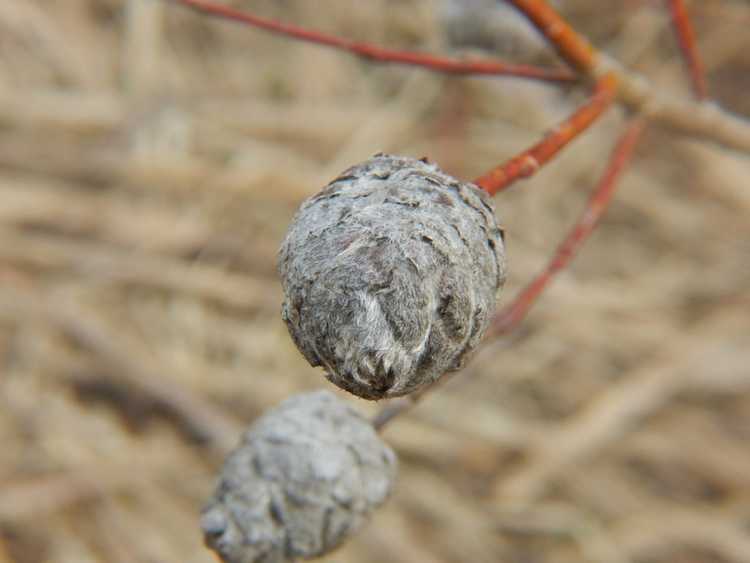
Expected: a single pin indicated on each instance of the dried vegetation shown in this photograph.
(150, 161)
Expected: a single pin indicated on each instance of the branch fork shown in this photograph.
(611, 83)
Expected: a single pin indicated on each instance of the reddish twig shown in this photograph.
(576, 50)
(509, 317)
(704, 121)
(381, 54)
(569, 44)
(688, 47)
(528, 162)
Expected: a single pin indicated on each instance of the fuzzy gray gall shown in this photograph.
(390, 275)
(305, 477)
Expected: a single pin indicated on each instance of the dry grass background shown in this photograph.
(150, 160)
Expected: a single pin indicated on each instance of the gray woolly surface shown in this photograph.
(390, 275)
(306, 476)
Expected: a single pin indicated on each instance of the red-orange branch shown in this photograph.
(381, 54)
(529, 161)
(509, 317)
(688, 47)
(570, 45)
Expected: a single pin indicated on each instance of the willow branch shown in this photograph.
(689, 47)
(380, 54)
(704, 121)
(569, 44)
(707, 122)
(509, 317)
(529, 161)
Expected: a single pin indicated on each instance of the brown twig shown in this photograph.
(509, 317)
(397, 407)
(381, 54)
(689, 48)
(529, 161)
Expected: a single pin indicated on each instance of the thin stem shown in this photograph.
(393, 409)
(569, 44)
(381, 54)
(529, 161)
(702, 121)
(689, 47)
(509, 318)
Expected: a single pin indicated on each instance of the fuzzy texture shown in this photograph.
(306, 475)
(390, 275)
